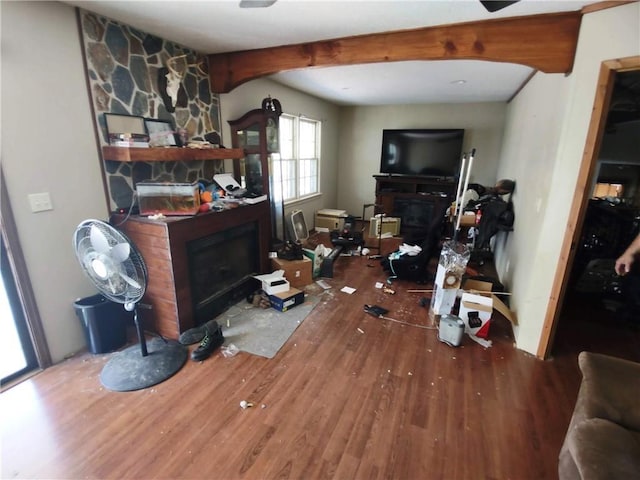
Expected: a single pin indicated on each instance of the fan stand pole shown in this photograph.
(143, 341)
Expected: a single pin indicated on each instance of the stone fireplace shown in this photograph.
(124, 67)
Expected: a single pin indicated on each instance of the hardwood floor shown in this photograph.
(349, 396)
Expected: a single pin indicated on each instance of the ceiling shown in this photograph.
(222, 26)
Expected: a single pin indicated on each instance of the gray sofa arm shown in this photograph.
(603, 438)
(610, 389)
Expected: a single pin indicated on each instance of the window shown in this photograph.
(297, 166)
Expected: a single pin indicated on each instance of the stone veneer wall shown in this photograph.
(122, 71)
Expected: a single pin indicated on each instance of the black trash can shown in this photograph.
(104, 323)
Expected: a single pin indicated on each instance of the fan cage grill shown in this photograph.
(126, 279)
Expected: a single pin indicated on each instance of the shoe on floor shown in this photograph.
(291, 251)
(196, 334)
(211, 341)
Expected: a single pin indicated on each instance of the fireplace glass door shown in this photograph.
(221, 268)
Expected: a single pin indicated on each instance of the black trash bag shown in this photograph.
(497, 215)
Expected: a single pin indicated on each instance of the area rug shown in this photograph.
(262, 331)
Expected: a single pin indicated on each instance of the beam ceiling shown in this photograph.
(545, 42)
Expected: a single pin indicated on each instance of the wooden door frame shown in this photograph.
(18, 264)
(606, 81)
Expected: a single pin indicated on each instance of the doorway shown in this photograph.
(18, 355)
(601, 310)
(24, 347)
(578, 322)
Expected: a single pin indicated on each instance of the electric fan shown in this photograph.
(297, 227)
(117, 269)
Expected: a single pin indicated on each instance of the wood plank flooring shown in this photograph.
(349, 396)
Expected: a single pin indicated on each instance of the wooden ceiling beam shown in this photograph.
(545, 42)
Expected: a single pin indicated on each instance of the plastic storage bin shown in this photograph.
(104, 323)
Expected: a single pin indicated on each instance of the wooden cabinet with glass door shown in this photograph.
(256, 132)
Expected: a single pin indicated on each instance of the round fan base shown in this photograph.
(128, 370)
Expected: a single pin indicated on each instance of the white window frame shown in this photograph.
(297, 160)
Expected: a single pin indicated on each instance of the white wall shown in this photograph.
(249, 96)
(532, 132)
(361, 139)
(48, 145)
(548, 123)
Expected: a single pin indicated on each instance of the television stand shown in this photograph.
(401, 196)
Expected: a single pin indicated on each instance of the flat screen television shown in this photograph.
(422, 152)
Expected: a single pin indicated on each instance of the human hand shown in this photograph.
(623, 263)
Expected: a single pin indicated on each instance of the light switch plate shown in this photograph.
(40, 202)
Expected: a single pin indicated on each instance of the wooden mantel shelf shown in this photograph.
(169, 154)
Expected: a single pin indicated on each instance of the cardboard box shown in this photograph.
(330, 219)
(442, 300)
(273, 283)
(468, 220)
(475, 312)
(297, 272)
(286, 300)
(477, 305)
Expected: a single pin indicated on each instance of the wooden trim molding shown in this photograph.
(596, 7)
(23, 283)
(545, 42)
(606, 81)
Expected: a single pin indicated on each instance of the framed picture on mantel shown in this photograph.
(124, 124)
(161, 133)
